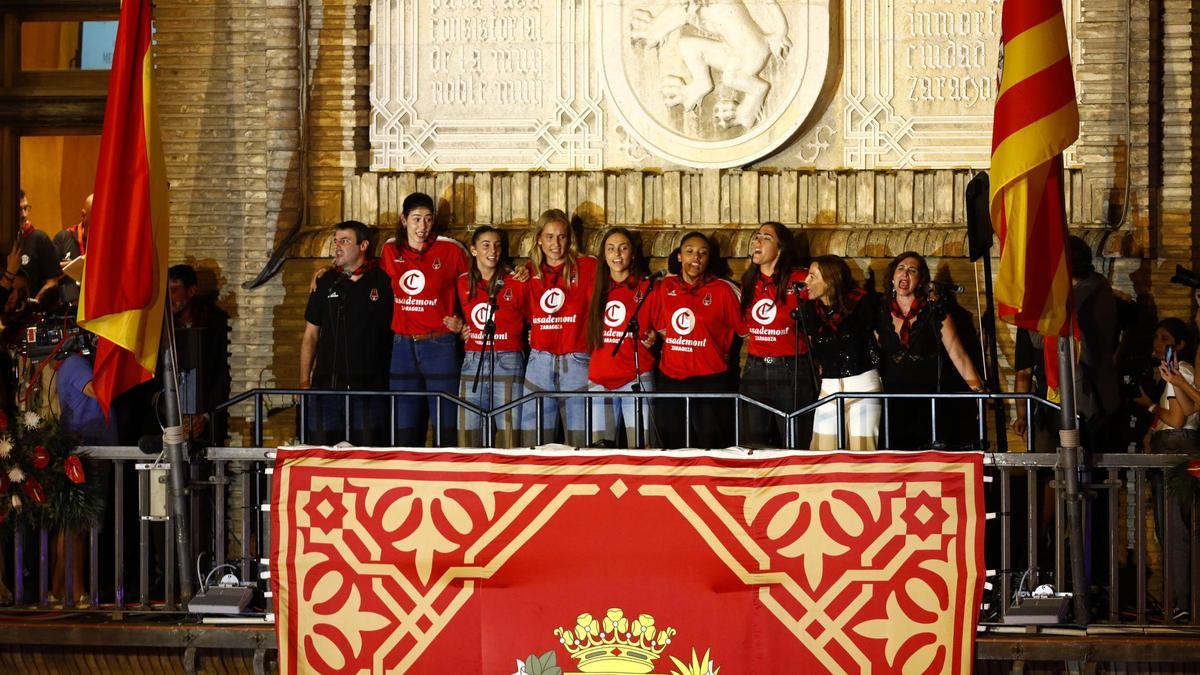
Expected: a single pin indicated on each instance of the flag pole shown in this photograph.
(173, 442)
(1070, 450)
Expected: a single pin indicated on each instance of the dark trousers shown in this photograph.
(711, 419)
(325, 420)
(1177, 549)
(770, 380)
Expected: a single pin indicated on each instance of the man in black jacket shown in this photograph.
(347, 343)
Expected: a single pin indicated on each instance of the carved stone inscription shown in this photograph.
(947, 53)
(485, 53)
(921, 80)
(484, 84)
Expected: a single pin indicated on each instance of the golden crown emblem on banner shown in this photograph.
(614, 644)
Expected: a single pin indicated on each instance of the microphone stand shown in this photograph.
(632, 327)
(487, 349)
(800, 320)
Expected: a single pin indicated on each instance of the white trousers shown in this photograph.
(862, 414)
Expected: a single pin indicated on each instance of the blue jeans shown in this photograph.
(609, 415)
(424, 365)
(508, 386)
(555, 372)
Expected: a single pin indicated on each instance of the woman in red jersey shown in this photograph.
(621, 283)
(778, 370)
(488, 292)
(560, 288)
(698, 313)
(424, 269)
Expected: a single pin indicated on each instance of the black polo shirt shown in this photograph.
(354, 349)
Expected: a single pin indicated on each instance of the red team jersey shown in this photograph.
(423, 283)
(612, 372)
(698, 324)
(512, 308)
(769, 321)
(558, 307)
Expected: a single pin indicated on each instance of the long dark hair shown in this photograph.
(718, 266)
(638, 269)
(412, 202)
(922, 288)
(783, 265)
(836, 273)
(473, 275)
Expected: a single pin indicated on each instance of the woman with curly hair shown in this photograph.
(916, 334)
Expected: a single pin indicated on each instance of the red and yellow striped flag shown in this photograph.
(125, 276)
(1036, 119)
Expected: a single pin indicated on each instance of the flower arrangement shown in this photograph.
(42, 481)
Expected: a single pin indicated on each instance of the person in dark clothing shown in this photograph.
(844, 347)
(347, 338)
(202, 348)
(919, 341)
(39, 259)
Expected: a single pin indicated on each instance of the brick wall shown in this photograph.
(229, 79)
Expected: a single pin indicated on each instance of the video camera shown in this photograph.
(1185, 277)
(57, 332)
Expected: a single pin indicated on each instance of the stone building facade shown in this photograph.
(258, 167)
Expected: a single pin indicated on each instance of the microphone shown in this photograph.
(948, 287)
(657, 276)
(496, 288)
(798, 286)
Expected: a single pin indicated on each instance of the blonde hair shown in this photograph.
(537, 256)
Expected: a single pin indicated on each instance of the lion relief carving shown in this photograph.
(726, 36)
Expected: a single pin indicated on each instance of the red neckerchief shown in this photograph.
(833, 318)
(365, 267)
(907, 319)
(631, 282)
(78, 231)
(552, 275)
(418, 251)
(700, 283)
(27, 228)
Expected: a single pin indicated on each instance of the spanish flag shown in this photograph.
(1036, 119)
(125, 277)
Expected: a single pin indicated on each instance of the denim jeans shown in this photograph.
(508, 385)
(424, 365)
(555, 372)
(610, 415)
(326, 414)
(1168, 508)
(771, 382)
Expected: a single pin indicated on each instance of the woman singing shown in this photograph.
(621, 283)
(488, 292)
(778, 370)
(843, 344)
(424, 269)
(698, 313)
(913, 331)
(560, 288)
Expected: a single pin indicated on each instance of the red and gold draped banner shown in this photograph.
(125, 278)
(686, 563)
(1036, 118)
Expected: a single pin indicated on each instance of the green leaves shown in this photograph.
(542, 665)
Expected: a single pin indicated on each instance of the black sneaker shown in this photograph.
(1181, 616)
